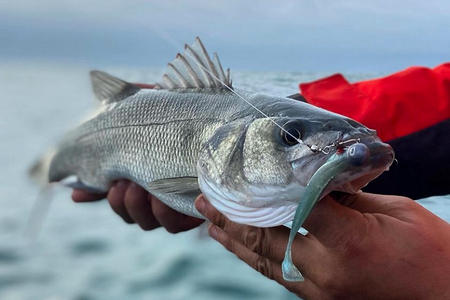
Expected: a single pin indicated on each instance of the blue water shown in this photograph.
(84, 251)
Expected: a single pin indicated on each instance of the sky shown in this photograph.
(302, 35)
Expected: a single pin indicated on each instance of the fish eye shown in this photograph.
(291, 133)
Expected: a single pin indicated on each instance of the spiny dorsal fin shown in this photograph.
(108, 88)
(194, 69)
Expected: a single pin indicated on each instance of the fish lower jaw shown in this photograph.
(355, 185)
(227, 204)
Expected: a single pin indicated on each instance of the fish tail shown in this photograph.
(39, 211)
(38, 171)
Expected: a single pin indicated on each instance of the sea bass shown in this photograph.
(251, 154)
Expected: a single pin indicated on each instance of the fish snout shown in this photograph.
(358, 154)
(372, 152)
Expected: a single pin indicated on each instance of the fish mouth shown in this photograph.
(376, 159)
(380, 155)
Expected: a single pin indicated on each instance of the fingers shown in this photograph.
(307, 253)
(268, 242)
(264, 265)
(135, 205)
(116, 197)
(329, 218)
(347, 214)
(138, 206)
(374, 203)
(172, 220)
(83, 196)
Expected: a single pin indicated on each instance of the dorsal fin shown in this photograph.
(108, 88)
(194, 69)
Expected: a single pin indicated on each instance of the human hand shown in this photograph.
(136, 205)
(367, 246)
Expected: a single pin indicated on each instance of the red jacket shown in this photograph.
(409, 109)
(395, 105)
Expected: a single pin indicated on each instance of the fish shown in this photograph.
(251, 154)
(261, 160)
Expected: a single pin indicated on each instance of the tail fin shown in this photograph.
(38, 172)
(39, 211)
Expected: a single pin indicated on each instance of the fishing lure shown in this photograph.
(339, 162)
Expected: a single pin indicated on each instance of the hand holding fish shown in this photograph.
(364, 245)
(261, 160)
(135, 205)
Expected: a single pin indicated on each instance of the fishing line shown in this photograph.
(174, 43)
(325, 150)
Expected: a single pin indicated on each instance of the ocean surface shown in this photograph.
(84, 251)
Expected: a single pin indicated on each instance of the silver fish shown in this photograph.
(251, 154)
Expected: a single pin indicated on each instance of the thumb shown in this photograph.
(342, 217)
(374, 203)
(329, 219)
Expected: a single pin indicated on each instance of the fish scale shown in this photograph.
(149, 136)
(259, 159)
(191, 134)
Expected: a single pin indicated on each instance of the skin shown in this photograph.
(363, 246)
(135, 205)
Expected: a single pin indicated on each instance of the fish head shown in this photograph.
(254, 169)
(331, 136)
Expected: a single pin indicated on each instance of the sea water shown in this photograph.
(85, 251)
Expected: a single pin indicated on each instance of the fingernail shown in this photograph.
(134, 186)
(121, 184)
(200, 204)
(213, 231)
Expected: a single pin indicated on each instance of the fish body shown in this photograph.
(149, 136)
(251, 154)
